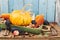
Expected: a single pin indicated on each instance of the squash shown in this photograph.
(5, 16)
(35, 31)
(19, 17)
(39, 20)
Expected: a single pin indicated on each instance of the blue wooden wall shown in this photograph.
(46, 7)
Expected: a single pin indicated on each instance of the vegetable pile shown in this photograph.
(23, 20)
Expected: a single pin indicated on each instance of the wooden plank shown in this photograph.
(34, 5)
(51, 10)
(43, 7)
(18, 4)
(0, 6)
(10, 5)
(4, 6)
(15, 5)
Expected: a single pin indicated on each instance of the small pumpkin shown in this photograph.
(39, 20)
(5, 16)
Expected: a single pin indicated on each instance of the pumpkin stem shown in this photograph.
(26, 6)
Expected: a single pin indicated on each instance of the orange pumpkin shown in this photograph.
(19, 17)
(39, 20)
(5, 16)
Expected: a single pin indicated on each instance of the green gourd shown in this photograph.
(29, 30)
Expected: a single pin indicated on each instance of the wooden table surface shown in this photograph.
(42, 37)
